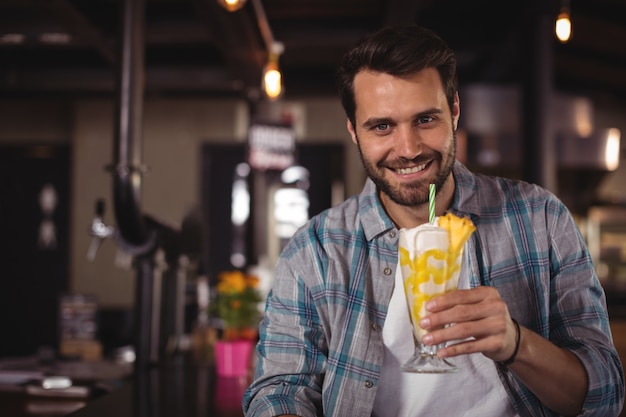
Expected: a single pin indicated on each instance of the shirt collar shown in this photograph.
(466, 197)
(374, 218)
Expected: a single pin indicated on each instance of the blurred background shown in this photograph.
(140, 153)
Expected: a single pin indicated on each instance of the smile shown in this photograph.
(413, 170)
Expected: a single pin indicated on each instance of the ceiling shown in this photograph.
(194, 47)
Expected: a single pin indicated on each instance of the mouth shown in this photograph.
(411, 170)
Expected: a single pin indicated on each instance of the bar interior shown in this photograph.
(145, 158)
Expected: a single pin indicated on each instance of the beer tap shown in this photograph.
(99, 231)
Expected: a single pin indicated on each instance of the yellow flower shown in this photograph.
(231, 282)
(252, 281)
(237, 303)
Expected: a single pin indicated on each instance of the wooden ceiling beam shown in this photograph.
(81, 27)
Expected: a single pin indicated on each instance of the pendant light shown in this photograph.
(231, 5)
(272, 77)
(563, 26)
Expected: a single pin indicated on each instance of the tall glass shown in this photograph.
(429, 268)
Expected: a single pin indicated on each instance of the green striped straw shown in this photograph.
(431, 204)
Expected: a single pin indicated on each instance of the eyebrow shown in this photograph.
(375, 121)
(369, 123)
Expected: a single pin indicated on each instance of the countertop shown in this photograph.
(179, 388)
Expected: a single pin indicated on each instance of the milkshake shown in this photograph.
(430, 262)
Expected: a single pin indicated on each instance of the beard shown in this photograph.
(416, 193)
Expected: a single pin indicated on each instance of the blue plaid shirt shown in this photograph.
(321, 346)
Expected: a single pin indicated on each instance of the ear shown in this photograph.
(352, 131)
(456, 110)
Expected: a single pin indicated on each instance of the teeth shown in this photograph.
(413, 170)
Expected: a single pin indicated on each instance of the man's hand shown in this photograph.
(479, 315)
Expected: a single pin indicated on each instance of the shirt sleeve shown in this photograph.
(558, 295)
(580, 320)
(292, 348)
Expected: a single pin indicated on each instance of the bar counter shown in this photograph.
(179, 388)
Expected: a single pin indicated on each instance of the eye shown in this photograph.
(422, 120)
(382, 127)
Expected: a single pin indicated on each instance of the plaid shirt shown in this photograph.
(321, 346)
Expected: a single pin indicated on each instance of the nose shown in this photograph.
(408, 144)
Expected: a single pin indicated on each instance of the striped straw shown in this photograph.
(431, 204)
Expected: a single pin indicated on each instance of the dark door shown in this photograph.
(34, 244)
(323, 161)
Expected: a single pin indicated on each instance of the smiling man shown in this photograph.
(531, 335)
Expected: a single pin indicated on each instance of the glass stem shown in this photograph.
(430, 350)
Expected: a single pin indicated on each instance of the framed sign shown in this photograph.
(271, 146)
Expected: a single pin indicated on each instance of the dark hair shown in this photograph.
(399, 51)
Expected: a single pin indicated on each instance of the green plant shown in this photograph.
(237, 304)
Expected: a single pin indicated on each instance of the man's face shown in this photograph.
(405, 133)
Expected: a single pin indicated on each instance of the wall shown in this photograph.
(35, 121)
(174, 130)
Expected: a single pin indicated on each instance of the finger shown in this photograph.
(480, 329)
(452, 298)
(485, 346)
(498, 344)
(461, 313)
(494, 347)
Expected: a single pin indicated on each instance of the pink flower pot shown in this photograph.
(232, 358)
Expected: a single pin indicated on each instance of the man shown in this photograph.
(336, 328)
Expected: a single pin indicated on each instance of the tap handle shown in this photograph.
(100, 207)
(94, 245)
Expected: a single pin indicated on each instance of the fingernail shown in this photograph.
(427, 339)
(425, 323)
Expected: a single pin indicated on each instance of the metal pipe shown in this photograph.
(144, 295)
(129, 121)
(133, 233)
(264, 25)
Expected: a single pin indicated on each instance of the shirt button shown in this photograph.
(387, 271)
(369, 384)
(376, 327)
(392, 233)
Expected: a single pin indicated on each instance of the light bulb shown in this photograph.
(272, 80)
(563, 27)
(231, 5)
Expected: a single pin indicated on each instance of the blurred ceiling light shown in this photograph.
(577, 113)
(272, 78)
(12, 38)
(563, 26)
(55, 38)
(294, 174)
(611, 155)
(231, 5)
